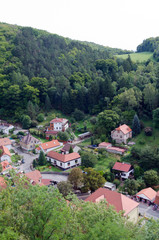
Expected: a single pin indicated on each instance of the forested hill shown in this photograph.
(39, 69)
(150, 45)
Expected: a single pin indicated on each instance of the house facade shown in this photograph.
(118, 200)
(29, 142)
(5, 155)
(146, 194)
(123, 170)
(49, 146)
(6, 167)
(121, 134)
(57, 125)
(66, 148)
(64, 161)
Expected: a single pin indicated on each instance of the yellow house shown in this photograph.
(29, 142)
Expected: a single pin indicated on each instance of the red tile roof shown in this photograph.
(57, 120)
(118, 200)
(124, 128)
(148, 193)
(5, 151)
(46, 182)
(2, 183)
(5, 141)
(5, 166)
(117, 149)
(104, 144)
(51, 144)
(63, 157)
(123, 167)
(34, 176)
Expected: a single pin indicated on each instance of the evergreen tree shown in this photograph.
(47, 104)
(31, 110)
(42, 159)
(71, 149)
(136, 129)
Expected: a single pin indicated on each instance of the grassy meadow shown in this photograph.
(137, 57)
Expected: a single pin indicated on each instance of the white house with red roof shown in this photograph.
(5, 155)
(123, 170)
(147, 194)
(49, 146)
(119, 201)
(64, 161)
(57, 125)
(121, 134)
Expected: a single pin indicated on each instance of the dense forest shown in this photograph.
(48, 70)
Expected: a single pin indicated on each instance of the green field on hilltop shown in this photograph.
(138, 57)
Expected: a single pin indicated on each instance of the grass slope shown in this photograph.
(138, 57)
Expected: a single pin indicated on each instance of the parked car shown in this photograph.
(22, 161)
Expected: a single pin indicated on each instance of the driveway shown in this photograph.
(148, 211)
(55, 177)
(28, 159)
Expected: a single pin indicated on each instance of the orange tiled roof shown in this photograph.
(124, 128)
(104, 144)
(118, 200)
(148, 192)
(34, 175)
(5, 141)
(157, 198)
(63, 157)
(5, 151)
(51, 144)
(56, 120)
(5, 165)
(123, 167)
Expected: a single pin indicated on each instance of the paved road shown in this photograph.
(28, 158)
(148, 211)
(55, 177)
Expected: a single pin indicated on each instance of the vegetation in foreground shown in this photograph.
(34, 212)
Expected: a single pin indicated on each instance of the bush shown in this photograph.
(34, 123)
(93, 120)
(148, 131)
(14, 136)
(142, 142)
(78, 115)
(116, 182)
(40, 117)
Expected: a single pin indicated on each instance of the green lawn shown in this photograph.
(48, 169)
(138, 57)
(85, 143)
(15, 158)
(41, 139)
(104, 162)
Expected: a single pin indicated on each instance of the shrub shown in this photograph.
(116, 182)
(142, 142)
(40, 117)
(148, 131)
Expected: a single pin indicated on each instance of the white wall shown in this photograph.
(58, 126)
(66, 165)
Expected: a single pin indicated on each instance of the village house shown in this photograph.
(146, 194)
(109, 148)
(6, 167)
(5, 155)
(121, 134)
(118, 200)
(5, 142)
(123, 170)
(64, 161)
(157, 199)
(29, 142)
(48, 146)
(66, 148)
(34, 177)
(57, 125)
(5, 127)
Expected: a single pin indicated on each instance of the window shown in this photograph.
(60, 164)
(54, 162)
(68, 163)
(76, 161)
(120, 136)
